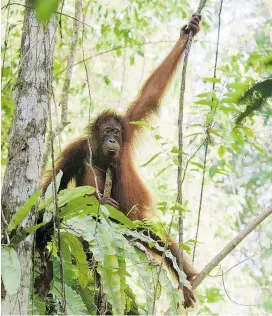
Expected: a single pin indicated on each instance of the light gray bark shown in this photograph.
(22, 177)
(230, 246)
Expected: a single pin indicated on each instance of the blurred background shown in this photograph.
(123, 41)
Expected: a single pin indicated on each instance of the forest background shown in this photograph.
(122, 43)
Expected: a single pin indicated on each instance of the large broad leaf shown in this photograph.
(174, 296)
(81, 205)
(23, 210)
(212, 171)
(75, 306)
(119, 216)
(11, 270)
(108, 250)
(66, 196)
(112, 286)
(79, 255)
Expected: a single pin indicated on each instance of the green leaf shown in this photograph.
(176, 150)
(69, 194)
(32, 229)
(158, 137)
(211, 103)
(221, 151)
(199, 165)
(107, 80)
(194, 134)
(248, 131)
(108, 250)
(215, 132)
(174, 296)
(45, 9)
(185, 247)
(119, 216)
(210, 94)
(238, 86)
(235, 147)
(226, 100)
(237, 135)
(23, 210)
(163, 169)
(141, 53)
(178, 207)
(260, 150)
(140, 123)
(75, 304)
(78, 254)
(151, 159)
(131, 60)
(80, 206)
(218, 80)
(213, 295)
(193, 241)
(212, 171)
(11, 270)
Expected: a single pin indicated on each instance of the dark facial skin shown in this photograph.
(110, 134)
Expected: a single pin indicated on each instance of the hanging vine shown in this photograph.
(180, 135)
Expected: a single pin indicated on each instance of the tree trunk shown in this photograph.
(22, 177)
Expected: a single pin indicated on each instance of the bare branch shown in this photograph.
(230, 246)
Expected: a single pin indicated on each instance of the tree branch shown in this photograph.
(230, 246)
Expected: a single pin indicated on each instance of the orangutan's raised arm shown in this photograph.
(148, 100)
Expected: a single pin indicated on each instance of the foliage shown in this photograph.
(11, 269)
(23, 210)
(104, 276)
(122, 42)
(45, 9)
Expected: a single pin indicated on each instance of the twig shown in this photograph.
(118, 47)
(188, 161)
(180, 137)
(123, 76)
(60, 20)
(5, 41)
(225, 289)
(54, 187)
(66, 86)
(56, 12)
(161, 263)
(89, 112)
(237, 264)
(201, 192)
(207, 141)
(230, 246)
(6, 228)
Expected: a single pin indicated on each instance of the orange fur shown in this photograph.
(127, 187)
